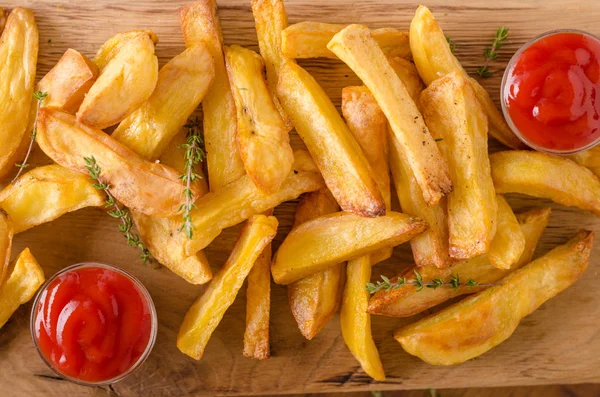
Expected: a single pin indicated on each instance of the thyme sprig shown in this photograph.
(114, 210)
(455, 282)
(491, 53)
(451, 44)
(39, 96)
(194, 154)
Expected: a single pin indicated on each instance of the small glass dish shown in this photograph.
(143, 292)
(504, 88)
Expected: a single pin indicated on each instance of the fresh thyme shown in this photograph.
(194, 154)
(39, 96)
(114, 210)
(491, 53)
(454, 283)
(451, 44)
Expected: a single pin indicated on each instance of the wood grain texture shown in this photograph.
(559, 343)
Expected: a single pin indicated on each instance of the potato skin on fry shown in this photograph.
(18, 57)
(544, 175)
(6, 237)
(479, 323)
(206, 313)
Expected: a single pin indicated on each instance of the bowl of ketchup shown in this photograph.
(550, 92)
(93, 324)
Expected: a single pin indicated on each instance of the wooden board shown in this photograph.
(560, 343)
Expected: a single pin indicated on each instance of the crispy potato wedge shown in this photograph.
(303, 161)
(589, 158)
(356, 322)
(6, 236)
(543, 175)
(479, 323)
(339, 157)
(200, 23)
(409, 75)
(454, 116)
(407, 301)
(45, 193)
(270, 19)
(123, 85)
(355, 46)
(322, 242)
(509, 241)
(24, 280)
(433, 58)
(429, 248)
(206, 313)
(316, 298)
(68, 81)
(181, 85)
(141, 185)
(368, 124)
(262, 137)
(18, 57)
(309, 40)
(113, 45)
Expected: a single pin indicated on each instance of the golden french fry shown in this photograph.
(509, 241)
(322, 242)
(123, 85)
(339, 157)
(588, 158)
(206, 313)
(409, 75)
(270, 19)
(356, 322)
(18, 57)
(309, 40)
(6, 236)
(543, 175)
(316, 298)
(483, 321)
(455, 117)
(112, 46)
(68, 81)
(303, 161)
(2, 19)
(433, 58)
(355, 46)
(407, 301)
(262, 137)
(200, 23)
(26, 277)
(141, 185)
(368, 124)
(181, 85)
(45, 193)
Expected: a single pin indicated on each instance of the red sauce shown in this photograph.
(552, 91)
(92, 323)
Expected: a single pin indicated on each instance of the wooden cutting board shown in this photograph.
(559, 343)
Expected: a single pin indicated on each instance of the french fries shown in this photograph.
(407, 301)
(262, 137)
(409, 75)
(341, 161)
(477, 324)
(143, 186)
(68, 81)
(356, 322)
(181, 85)
(45, 193)
(433, 58)
(355, 46)
(123, 85)
(112, 46)
(6, 236)
(589, 158)
(368, 124)
(316, 298)
(454, 116)
(543, 175)
(2, 19)
(18, 57)
(270, 19)
(509, 242)
(322, 242)
(205, 314)
(26, 277)
(200, 23)
(309, 40)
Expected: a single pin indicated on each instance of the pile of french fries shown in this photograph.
(419, 120)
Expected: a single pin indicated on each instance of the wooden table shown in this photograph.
(560, 343)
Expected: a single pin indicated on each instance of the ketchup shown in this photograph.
(552, 91)
(92, 323)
